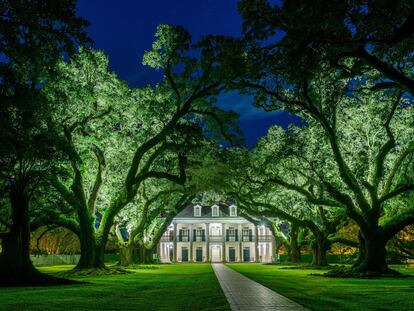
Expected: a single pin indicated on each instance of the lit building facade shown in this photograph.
(215, 234)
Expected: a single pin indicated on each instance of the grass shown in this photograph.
(323, 294)
(160, 287)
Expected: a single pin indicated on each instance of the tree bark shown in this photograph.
(372, 257)
(320, 248)
(294, 249)
(145, 255)
(128, 255)
(87, 241)
(100, 244)
(16, 268)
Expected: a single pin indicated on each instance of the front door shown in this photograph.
(232, 254)
(246, 254)
(184, 254)
(171, 253)
(215, 254)
(199, 254)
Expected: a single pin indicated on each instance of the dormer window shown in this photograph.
(197, 211)
(215, 211)
(233, 210)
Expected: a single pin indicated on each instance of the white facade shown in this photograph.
(210, 234)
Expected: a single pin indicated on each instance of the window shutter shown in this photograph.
(237, 234)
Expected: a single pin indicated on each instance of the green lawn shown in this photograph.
(168, 287)
(320, 293)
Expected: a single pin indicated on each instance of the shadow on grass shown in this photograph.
(349, 272)
(34, 280)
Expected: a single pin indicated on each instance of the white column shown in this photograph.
(190, 236)
(175, 243)
(223, 235)
(207, 242)
(256, 244)
(240, 243)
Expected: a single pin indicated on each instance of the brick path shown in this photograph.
(243, 293)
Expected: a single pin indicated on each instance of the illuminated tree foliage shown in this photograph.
(352, 156)
(344, 76)
(132, 135)
(251, 183)
(146, 218)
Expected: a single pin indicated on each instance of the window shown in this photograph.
(231, 234)
(197, 211)
(233, 210)
(215, 211)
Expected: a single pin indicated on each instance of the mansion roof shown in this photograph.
(206, 212)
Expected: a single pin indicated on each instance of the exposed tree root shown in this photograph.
(92, 272)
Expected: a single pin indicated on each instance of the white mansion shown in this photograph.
(216, 234)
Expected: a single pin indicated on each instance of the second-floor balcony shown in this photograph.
(215, 238)
(183, 238)
(232, 238)
(199, 238)
(248, 238)
(265, 238)
(167, 238)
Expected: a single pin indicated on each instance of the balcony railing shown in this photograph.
(183, 238)
(232, 238)
(215, 238)
(166, 239)
(199, 238)
(265, 238)
(248, 238)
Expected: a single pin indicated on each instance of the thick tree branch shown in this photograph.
(85, 120)
(385, 148)
(218, 121)
(344, 241)
(98, 179)
(397, 164)
(397, 191)
(392, 73)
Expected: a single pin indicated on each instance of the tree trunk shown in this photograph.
(319, 249)
(361, 248)
(294, 249)
(87, 240)
(99, 262)
(127, 255)
(373, 253)
(15, 264)
(145, 255)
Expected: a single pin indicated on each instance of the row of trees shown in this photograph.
(82, 150)
(351, 82)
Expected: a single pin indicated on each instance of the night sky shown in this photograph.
(125, 29)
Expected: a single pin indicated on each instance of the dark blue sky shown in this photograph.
(125, 29)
